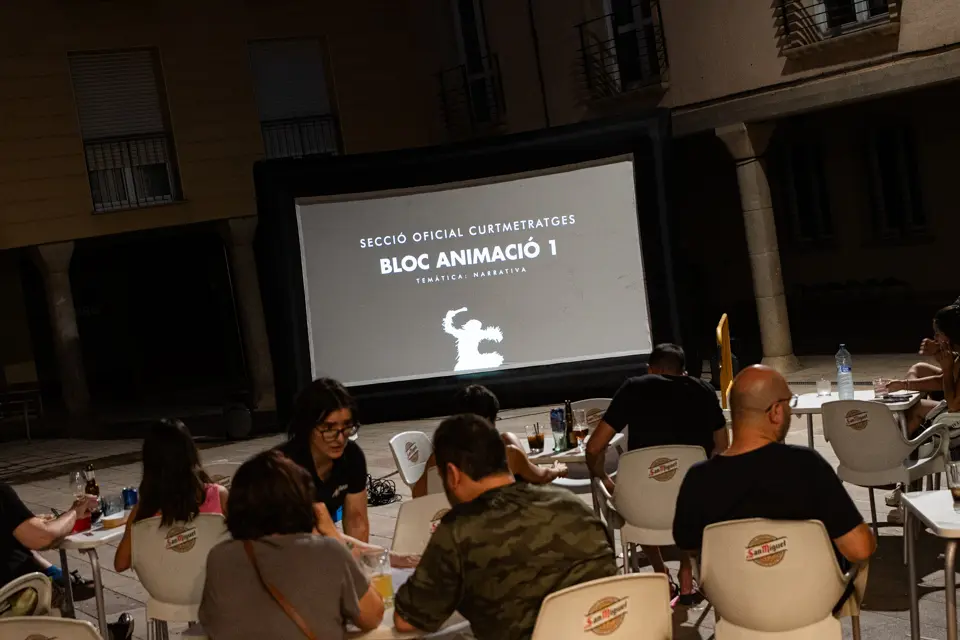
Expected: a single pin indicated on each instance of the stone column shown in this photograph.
(238, 235)
(747, 144)
(54, 263)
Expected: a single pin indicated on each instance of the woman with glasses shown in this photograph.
(320, 430)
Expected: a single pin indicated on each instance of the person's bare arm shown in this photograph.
(371, 610)
(858, 544)
(123, 558)
(224, 494)
(930, 383)
(597, 453)
(721, 440)
(356, 523)
(401, 625)
(38, 533)
(520, 465)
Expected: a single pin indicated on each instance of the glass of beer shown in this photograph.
(376, 564)
(953, 479)
(580, 429)
(534, 438)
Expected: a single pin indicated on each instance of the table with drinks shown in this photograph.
(103, 526)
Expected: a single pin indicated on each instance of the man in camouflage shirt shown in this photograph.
(503, 547)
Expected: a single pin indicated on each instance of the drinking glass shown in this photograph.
(879, 387)
(534, 438)
(823, 387)
(376, 564)
(78, 485)
(580, 429)
(559, 436)
(953, 479)
(112, 504)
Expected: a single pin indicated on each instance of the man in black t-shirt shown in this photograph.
(760, 477)
(663, 407)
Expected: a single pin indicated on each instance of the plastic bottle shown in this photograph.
(845, 373)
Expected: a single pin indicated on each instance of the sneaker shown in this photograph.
(122, 629)
(893, 499)
(81, 587)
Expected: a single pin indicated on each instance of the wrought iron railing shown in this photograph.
(299, 137)
(471, 97)
(805, 22)
(620, 53)
(132, 171)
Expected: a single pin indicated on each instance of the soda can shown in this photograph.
(129, 497)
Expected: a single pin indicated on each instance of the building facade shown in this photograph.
(810, 184)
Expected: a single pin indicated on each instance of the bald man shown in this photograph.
(759, 476)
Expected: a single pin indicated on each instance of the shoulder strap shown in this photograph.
(277, 596)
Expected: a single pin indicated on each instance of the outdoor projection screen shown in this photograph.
(525, 271)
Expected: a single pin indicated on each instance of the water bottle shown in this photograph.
(845, 373)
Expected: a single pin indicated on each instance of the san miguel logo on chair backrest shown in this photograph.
(766, 551)
(857, 420)
(181, 539)
(605, 616)
(437, 517)
(413, 453)
(663, 469)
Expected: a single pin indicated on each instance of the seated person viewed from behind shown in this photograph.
(761, 477)
(923, 376)
(663, 407)
(324, 419)
(272, 511)
(480, 401)
(503, 546)
(174, 485)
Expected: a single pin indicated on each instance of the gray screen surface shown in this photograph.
(547, 268)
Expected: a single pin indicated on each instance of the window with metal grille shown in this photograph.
(894, 178)
(296, 118)
(127, 145)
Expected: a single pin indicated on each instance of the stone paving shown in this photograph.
(885, 612)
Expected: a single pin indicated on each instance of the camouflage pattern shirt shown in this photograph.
(496, 558)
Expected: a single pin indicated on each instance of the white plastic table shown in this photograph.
(811, 404)
(87, 542)
(941, 515)
(386, 630)
(571, 456)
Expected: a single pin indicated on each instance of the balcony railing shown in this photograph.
(808, 22)
(132, 172)
(471, 97)
(299, 137)
(623, 51)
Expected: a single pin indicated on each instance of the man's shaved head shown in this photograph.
(760, 399)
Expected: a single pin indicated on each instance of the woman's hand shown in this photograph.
(896, 385)
(929, 347)
(945, 358)
(404, 561)
(560, 470)
(325, 526)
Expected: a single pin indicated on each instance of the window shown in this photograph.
(127, 145)
(802, 191)
(296, 119)
(833, 15)
(894, 181)
(632, 28)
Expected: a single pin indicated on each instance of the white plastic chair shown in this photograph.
(171, 563)
(416, 522)
(645, 500)
(594, 408)
(637, 607)
(28, 627)
(872, 450)
(774, 579)
(411, 450)
(221, 472)
(39, 583)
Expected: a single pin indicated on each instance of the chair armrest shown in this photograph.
(934, 430)
(852, 573)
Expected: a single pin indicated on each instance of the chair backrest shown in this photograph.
(635, 606)
(648, 482)
(46, 627)
(864, 435)
(770, 575)
(29, 595)
(221, 472)
(594, 408)
(171, 562)
(411, 450)
(416, 522)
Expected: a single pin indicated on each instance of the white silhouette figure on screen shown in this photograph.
(469, 337)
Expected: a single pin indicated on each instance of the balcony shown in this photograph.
(471, 97)
(623, 51)
(132, 172)
(811, 25)
(300, 137)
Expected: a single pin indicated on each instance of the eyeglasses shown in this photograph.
(334, 434)
(792, 400)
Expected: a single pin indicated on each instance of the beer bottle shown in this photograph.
(92, 489)
(568, 418)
